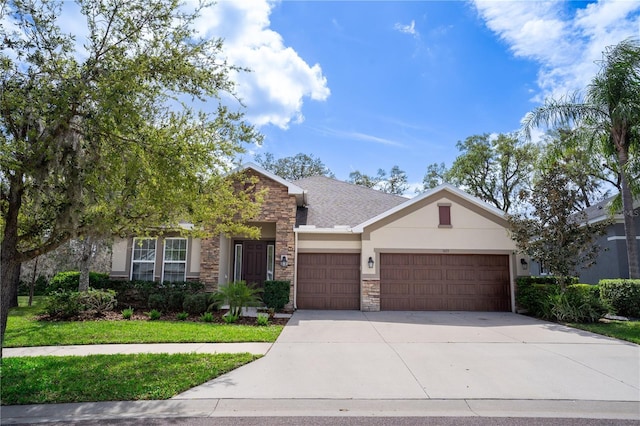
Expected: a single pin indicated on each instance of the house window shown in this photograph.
(174, 267)
(237, 266)
(271, 261)
(444, 212)
(143, 260)
(544, 270)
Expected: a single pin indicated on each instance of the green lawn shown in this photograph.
(623, 330)
(24, 330)
(49, 379)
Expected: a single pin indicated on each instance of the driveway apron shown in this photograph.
(433, 355)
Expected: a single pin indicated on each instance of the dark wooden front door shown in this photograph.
(254, 262)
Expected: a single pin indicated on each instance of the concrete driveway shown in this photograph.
(433, 355)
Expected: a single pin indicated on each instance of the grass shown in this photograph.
(623, 330)
(23, 330)
(49, 379)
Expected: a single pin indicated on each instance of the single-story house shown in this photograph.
(344, 246)
(612, 260)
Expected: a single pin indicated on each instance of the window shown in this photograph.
(174, 268)
(271, 261)
(237, 266)
(444, 211)
(143, 259)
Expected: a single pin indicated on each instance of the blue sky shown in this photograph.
(368, 85)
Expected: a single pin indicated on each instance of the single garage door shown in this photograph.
(444, 282)
(328, 281)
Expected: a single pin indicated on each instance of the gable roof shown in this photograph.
(488, 209)
(333, 203)
(291, 188)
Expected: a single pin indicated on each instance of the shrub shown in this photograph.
(156, 301)
(276, 294)
(207, 317)
(239, 295)
(533, 294)
(39, 287)
(154, 314)
(127, 313)
(70, 280)
(182, 316)
(195, 304)
(230, 319)
(586, 303)
(98, 300)
(623, 295)
(215, 301)
(63, 304)
(262, 320)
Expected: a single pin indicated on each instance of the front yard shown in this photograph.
(623, 330)
(42, 380)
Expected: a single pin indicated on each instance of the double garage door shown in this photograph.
(408, 282)
(444, 282)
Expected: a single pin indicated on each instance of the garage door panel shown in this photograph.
(328, 281)
(444, 282)
(427, 274)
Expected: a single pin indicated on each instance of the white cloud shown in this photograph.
(359, 136)
(280, 79)
(408, 29)
(566, 45)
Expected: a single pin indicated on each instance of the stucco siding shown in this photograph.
(325, 243)
(119, 266)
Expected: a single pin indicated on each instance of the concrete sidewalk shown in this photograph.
(174, 409)
(154, 348)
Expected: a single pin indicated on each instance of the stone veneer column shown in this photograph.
(370, 295)
(210, 262)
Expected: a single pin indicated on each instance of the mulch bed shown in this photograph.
(141, 316)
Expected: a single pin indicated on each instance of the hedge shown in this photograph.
(70, 280)
(623, 294)
(276, 294)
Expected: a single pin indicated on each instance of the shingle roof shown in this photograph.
(332, 203)
(599, 209)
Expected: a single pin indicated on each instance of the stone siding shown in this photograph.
(370, 295)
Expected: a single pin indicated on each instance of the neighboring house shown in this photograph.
(611, 261)
(344, 246)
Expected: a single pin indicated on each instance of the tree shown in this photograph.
(299, 166)
(98, 141)
(496, 170)
(556, 232)
(396, 183)
(358, 178)
(588, 171)
(436, 175)
(610, 111)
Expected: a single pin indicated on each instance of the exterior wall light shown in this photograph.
(283, 261)
(524, 264)
(370, 262)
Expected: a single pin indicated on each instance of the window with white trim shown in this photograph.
(174, 267)
(237, 266)
(143, 259)
(271, 261)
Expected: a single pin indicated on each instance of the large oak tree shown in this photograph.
(98, 133)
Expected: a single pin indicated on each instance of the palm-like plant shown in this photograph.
(239, 295)
(611, 111)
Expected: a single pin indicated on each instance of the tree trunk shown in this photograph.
(627, 212)
(9, 256)
(33, 281)
(85, 263)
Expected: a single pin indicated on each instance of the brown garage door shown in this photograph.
(444, 282)
(328, 281)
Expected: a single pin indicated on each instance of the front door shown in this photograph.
(255, 262)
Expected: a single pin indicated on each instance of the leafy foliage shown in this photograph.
(95, 138)
(395, 183)
(293, 168)
(98, 301)
(195, 304)
(69, 281)
(495, 169)
(154, 314)
(262, 320)
(127, 313)
(610, 112)
(206, 317)
(555, 233)
(276, 294)
(624, 296)
(63, 304)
